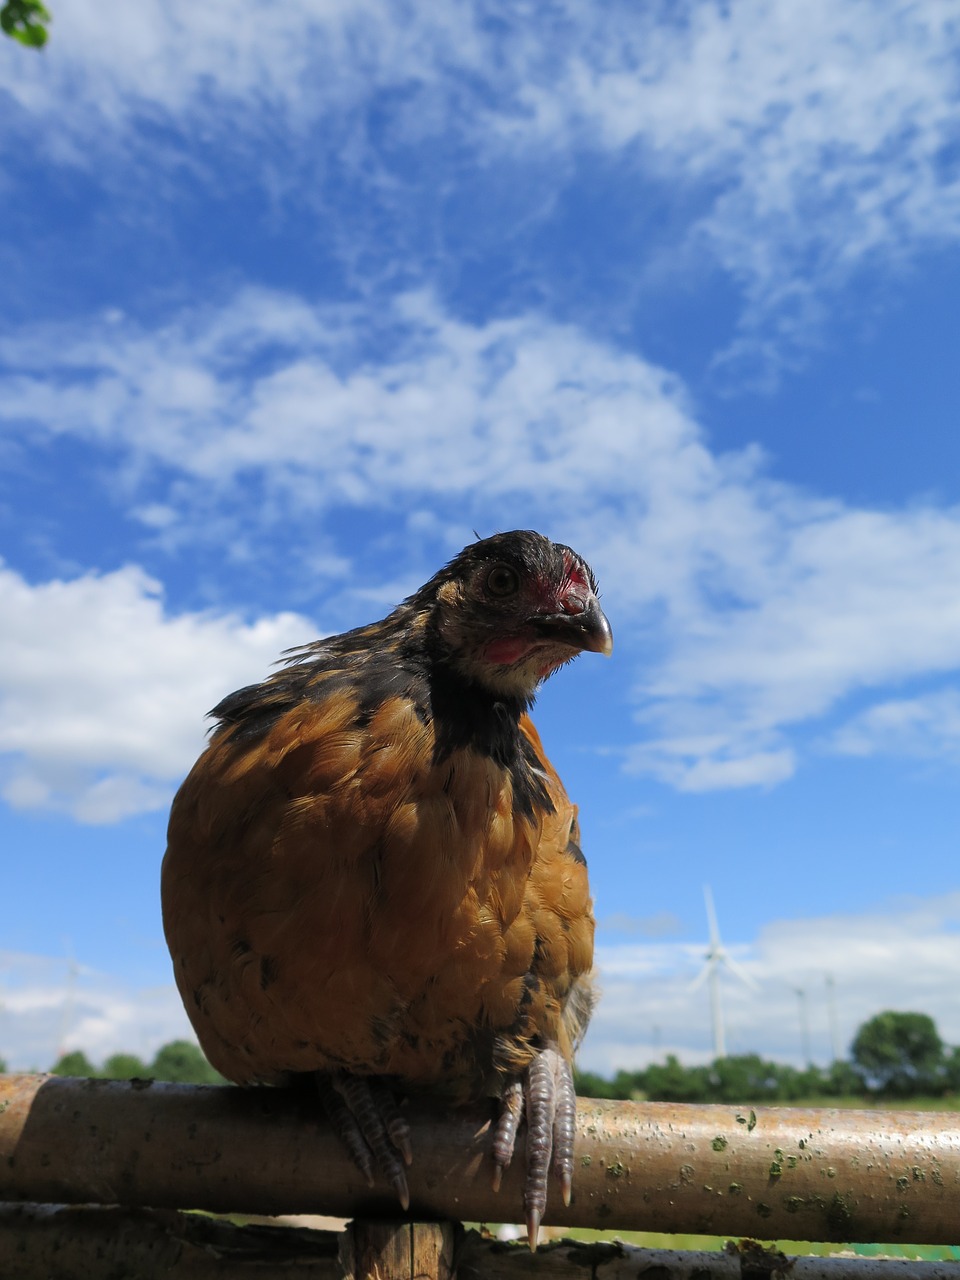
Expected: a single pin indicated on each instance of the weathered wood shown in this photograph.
(796, 1174)
(44, 1242)
(373, 1249)
(71, 1242)
(485, 1259)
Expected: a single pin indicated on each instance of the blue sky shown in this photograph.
(291, 306)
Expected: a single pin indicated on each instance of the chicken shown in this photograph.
(373, 874)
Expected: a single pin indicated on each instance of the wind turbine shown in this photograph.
(804, 1025)
(716, 957)
(69, 1000)
(832, 1011)
(69, 1006)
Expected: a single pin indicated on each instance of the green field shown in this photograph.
(950, 1102)
(657, 1240)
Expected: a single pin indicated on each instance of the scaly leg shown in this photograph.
(366, 1119)
(546, 1096)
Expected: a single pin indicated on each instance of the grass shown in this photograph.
(950, 1102)
(713, 1244)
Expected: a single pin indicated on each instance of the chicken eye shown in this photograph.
(503, 581)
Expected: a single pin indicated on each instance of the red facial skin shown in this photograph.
(571, 597)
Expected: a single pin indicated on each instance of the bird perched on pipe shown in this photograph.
(373, 875)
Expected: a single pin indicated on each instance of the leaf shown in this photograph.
(25, 21)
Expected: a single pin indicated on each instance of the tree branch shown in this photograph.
(826, 1175)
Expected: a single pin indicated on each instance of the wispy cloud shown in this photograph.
(50, 1006)
(757, 608)
(267, 384)
(825, 132)
(393, 407)
(831, 601)
(926, 727)
(296, 67)
(807, 140)
(901, 955)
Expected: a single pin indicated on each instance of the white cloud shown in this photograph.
(903, 955)
(715, 772)
(927, 726)
(809, 139)
(46, 1010)
(306, 61)
(827, 602)
(266, 386)
(755, 608)
(824, 126)
(102, 693)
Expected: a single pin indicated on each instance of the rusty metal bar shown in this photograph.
(827, 1175)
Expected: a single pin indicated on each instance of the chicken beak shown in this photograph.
(587, 629)
(597, 634)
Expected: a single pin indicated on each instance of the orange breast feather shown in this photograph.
(336, 896)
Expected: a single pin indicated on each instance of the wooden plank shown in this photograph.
(70, 1242)
(44, 1242)
(374, 1249)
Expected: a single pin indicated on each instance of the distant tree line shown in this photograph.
(893, 1055)
(179, 1061)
